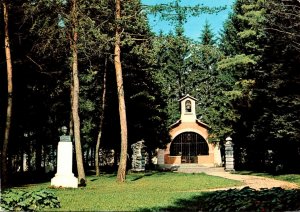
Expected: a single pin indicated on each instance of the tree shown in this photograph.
(120, 89)
(101, 120)
(262, 55)
(208, 84)
(243, 43)
(285, 19)
(207, 36)
(172, 70)
(54, 33)
(8, 124)
(174, 49)
(277, 89)
(75, 92)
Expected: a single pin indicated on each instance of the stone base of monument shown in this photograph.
(137, 170)
(64, 177)
(64, 181)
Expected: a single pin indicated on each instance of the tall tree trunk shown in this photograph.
(101, 121)
(4, 171)
(75, 102)
(71, 127)
(122, 108)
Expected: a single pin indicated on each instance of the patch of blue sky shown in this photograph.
(194, 25)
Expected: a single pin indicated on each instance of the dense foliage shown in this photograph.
(41, 43)
(21, 200)
(246, 199)
(262, 56)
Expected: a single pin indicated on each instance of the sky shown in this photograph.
(194, 25)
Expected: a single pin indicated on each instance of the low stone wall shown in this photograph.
(206, 160)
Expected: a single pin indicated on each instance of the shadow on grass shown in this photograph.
(139, 175)
(23, 179)
(246, 199)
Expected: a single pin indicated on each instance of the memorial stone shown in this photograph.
(64, 176)
(138, 156)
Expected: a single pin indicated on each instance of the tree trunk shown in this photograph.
(122, 108)
(101, 121)
(75, 102)
(4, 170)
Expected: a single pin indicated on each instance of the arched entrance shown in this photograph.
(189, 145)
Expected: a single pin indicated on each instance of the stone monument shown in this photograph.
(229, 156)
(64, 176)
(138, 156)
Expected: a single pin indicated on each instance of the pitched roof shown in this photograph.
(178, 122)
(187, 96)
(203, 124)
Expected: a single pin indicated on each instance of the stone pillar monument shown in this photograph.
(229, 157)
(64, 176)
(138, 156)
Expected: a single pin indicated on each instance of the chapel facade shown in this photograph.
(189, 140)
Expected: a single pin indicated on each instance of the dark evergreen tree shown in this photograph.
(173, 49)
(243, 42)
(207, 36)
(277, 89)
(262, 54)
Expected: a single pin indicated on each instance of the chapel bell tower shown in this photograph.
(188, 108)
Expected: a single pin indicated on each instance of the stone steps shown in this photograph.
(196, 168)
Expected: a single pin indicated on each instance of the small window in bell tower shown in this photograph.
(188, 106)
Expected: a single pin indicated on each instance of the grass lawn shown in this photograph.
(141, 191)
(292, 178)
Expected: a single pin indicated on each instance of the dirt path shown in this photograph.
(255, 182)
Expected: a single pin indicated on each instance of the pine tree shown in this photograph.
(121, 98)
(8, 124)
(207, 36)
(173, 49)
(277, 86)
(75, 93)
(243, 42)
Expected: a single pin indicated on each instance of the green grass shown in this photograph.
(141, 191)
(292, 178)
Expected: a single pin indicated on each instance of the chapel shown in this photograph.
(189, 140)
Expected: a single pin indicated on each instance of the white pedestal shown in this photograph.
(64, 176)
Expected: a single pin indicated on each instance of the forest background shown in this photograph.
(246, 80)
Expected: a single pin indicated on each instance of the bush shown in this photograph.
(247, 199)
(19, 200)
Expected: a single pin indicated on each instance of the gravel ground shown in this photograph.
(256, 182)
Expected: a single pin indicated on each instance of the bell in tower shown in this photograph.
(188, 108)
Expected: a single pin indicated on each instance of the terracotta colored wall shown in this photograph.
(202, 159)
(205, 159)
(172, 159)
